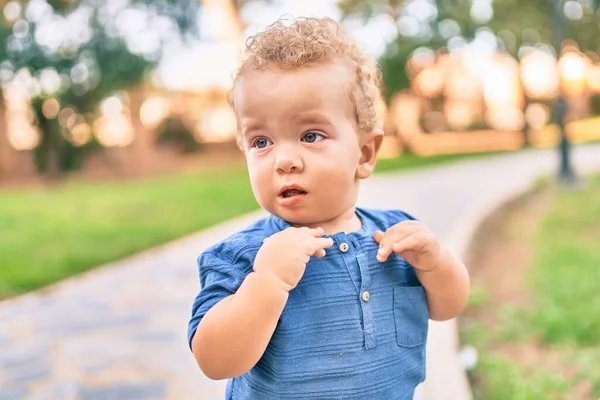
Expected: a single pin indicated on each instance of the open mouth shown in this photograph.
(291, 193)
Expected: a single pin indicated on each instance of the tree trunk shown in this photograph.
(51, 150)
(50, 143)
(232, 28)
(143, 150)
(525, 129)
(8, 155)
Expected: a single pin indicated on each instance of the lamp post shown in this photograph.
(566, 174)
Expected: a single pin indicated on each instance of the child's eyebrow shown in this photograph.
(252, 125)
(311, 119)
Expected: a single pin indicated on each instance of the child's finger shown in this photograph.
(386, 243)
(384, 253)
(378, 236)
(383, 240)
(323, 243)
(320, 253)
(408, 243)
(317, 232)
(385, 247)
(319, 245)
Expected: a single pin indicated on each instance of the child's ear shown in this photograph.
(369, 148)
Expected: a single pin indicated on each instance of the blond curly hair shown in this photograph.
(307, 41)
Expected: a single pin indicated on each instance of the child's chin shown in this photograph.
(299, 218)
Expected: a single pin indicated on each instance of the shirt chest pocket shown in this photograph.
(411, 315)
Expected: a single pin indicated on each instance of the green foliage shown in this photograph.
(595, 100)
(393, 69)
(531, 23)
(475, 334)
(181, 12)
(367, 9)
(174, 133)
(564, 311)
(506, 380)
(478, 297)
(515, 22)
(109, 62)
(566, 274)
(459, 12)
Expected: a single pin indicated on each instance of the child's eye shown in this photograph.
(312, 137)
(261, 143)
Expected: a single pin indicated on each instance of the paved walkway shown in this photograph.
(119, 332)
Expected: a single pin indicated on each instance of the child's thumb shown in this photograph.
(378, 236)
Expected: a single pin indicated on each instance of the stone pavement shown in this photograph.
(119, 332)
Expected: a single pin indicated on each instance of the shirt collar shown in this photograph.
(368, 226)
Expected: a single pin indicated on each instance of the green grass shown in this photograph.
(408, 161)
(564, 314)
(566, 275)
(477, 297)
(506, 380)
(49, 234)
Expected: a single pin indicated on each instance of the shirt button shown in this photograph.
(366, 296)
(344, 247)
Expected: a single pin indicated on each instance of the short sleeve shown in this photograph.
(408, 216)
(218, 279)
(395, 216)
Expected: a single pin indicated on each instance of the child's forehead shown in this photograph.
(296, 109)
(309, 86)
(315, 94)
(321, 73)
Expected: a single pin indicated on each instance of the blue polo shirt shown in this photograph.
(353, 328)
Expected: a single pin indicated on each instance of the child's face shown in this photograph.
(305, 156)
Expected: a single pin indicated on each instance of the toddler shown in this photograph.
(322, 299)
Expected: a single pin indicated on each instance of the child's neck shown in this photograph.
(346, 222)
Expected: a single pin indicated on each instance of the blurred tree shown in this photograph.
(366, 9)
(515, 23)
(8, 156)
(397, 53)
(595, 109)
(174, 133)
(80, 52)
(530, 23)
(231, 12)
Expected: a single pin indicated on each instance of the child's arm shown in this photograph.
(234, 333)
(444, 277)
(446, 287)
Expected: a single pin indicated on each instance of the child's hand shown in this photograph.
(285, 254)
(412, 241)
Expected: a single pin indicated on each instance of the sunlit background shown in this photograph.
(116, 138)
(141, 85)
(122, 90)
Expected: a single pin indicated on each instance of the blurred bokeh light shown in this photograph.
(115, 74)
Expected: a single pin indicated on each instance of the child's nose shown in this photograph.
(288, 161)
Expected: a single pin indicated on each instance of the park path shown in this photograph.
(119, 332)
